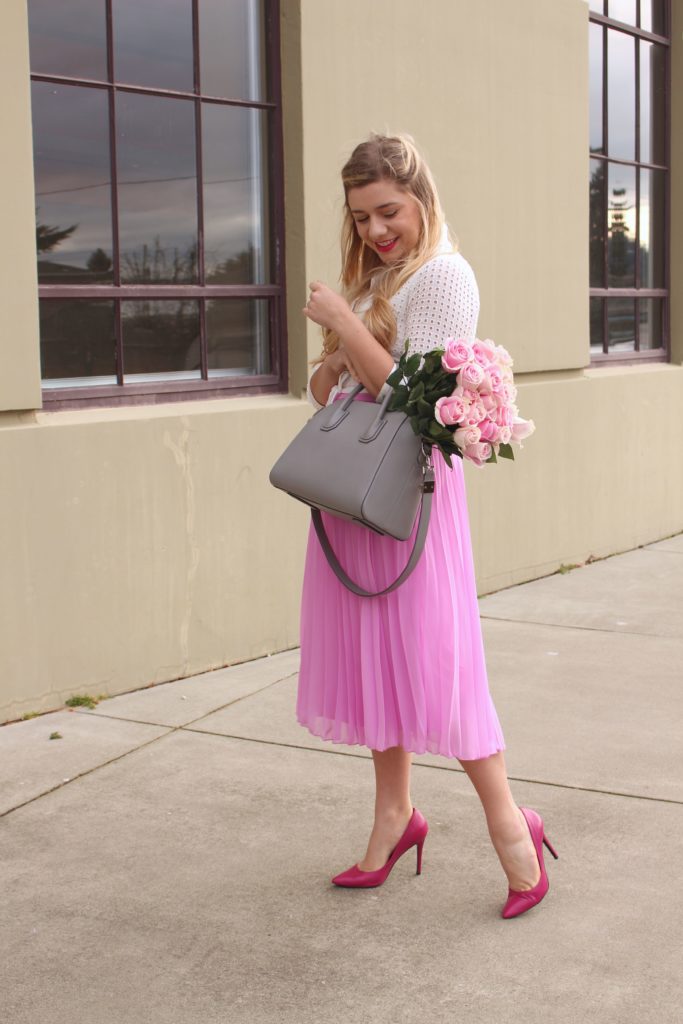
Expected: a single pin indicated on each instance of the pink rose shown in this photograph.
(471, 375)
(449, 410)
(484, 351)
(495, 377)
(490, 431)
(478, 453)
(466, 436)
(474, 414)
(521, 429)
(505, 434)
(489, 402)
(503, 416)
(458, 352)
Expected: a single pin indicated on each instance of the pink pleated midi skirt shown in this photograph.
(407, 668)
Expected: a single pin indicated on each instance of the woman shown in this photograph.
(403, 673)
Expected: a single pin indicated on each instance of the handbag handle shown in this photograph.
(420, 538)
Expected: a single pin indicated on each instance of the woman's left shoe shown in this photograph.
(414, 835)
(519, 901)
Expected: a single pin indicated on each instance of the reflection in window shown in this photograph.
(652, 208)
(241, 21)
(68, 37)
(78, 343)
(72, 184)
(596, 69)
(237, 333)
(623, 10)
(158, 180)
(621, 226)
(157, 189)
(653, 16)
(160, 339)
(628, 179)
(621, 95)
(652, 102)
(236, 228)
(153, 43)
(621, 324)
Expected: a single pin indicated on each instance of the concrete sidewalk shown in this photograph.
(169, 858)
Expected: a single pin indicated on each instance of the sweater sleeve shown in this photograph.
(443, 303)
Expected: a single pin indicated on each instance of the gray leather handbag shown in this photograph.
(358, 461)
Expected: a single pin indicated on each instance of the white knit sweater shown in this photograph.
(439, 301)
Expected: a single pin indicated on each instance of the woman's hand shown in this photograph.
(326, 307)
(340, 360)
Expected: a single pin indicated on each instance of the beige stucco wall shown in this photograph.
(144, 544)
(19, 353)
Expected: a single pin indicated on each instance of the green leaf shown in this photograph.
(492, 457)
(447, 457)
(414, 425)
(413, 363)
(399, 399)
(424, 408)
(437, 431)
(395, 378)
(417, 392)
(505, 451)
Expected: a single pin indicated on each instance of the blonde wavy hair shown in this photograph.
(396, 159)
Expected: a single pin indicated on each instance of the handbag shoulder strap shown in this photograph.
(418, 546)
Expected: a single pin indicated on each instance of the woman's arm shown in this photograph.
(359, 352)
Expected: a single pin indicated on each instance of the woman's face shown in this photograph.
(387, 219)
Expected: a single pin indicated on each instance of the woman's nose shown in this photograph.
(377, 230)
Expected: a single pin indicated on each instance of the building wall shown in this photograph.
(144, 544)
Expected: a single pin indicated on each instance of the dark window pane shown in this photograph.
(68, 38)
(622, 10)
(653, 16)
(77, 342)
(234, 162)
(597, 223)
(596, 324)
(652, 102)
(153, 43)
(621, 95)
(621, 324)
(621, 226)
(72, 184)
(595, 58)
(232, 44)
(157, 189)
(652, 212)
(237, 336)
(160, 339)
(651, 324)
(597, 5)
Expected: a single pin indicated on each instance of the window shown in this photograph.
(157, 132)
(629, 179)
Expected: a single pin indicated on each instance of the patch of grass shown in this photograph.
(569, 566)
(56, 736)
(30, 714)
(81, 700)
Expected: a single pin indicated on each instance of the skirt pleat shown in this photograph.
(408, 668)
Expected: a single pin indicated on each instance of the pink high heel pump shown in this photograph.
(414, 835)
(518, 902)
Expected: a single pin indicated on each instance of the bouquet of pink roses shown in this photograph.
(461, 399)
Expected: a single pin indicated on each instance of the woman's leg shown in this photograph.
(393, 807)
(506, 824)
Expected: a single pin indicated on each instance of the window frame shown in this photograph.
(663, 353)
(181, 390)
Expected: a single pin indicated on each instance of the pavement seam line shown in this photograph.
(442, 768)
(169, 729)
(591, 629)
(163, 725)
